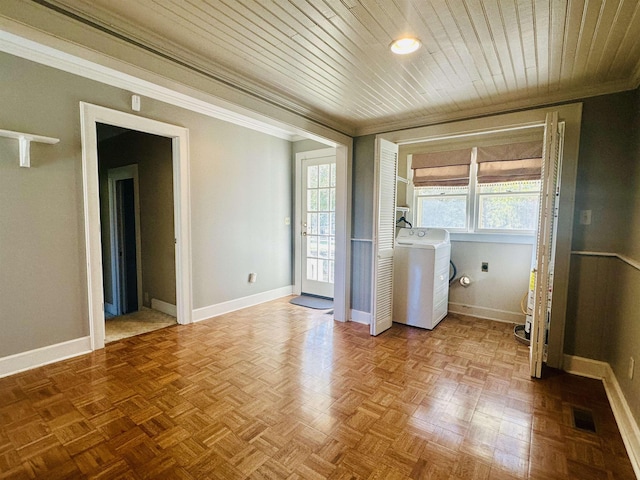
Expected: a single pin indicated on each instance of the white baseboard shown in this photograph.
(361, 317)
(627, 424)
(204, 313)
(164, 307)
(42, 356)
(487, 313)
(585, 367)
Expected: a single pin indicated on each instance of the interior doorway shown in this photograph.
(125, 241)
(178, 249)
(137, 229)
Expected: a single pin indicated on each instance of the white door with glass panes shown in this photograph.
(318, 244)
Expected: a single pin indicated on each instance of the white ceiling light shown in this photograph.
(405, 45)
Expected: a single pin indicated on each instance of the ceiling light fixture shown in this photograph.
(405, 45)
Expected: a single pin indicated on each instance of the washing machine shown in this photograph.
(421, 276)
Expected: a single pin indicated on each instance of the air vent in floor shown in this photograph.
(583, 420)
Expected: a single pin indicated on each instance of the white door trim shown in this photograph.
(298, 220)
(113, 175)
(89, 116)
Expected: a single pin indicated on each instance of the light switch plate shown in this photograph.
(585, 217)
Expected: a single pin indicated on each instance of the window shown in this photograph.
(442, 207)
(498, 190)
(508, 206)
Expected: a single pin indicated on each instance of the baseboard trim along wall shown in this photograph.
(361, 317)
(43, 356)
(627, 425)
(211, 311)
(164, 307)
(487, 313)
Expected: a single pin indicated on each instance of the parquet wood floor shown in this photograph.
(283, 392)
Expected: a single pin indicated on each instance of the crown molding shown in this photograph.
(528, 103)
(36, 33)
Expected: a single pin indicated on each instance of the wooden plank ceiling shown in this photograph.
(330, 60)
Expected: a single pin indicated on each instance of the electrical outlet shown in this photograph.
(632, 364)
(485, 266)
(585, 217)
(287, 220)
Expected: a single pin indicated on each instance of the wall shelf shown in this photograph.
(24, 142)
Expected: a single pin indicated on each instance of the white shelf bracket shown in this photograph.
(25, 151)
(24, 143)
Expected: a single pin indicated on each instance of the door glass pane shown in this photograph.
(312, 223)
(312, 200)
(312, 269)
(312, 246)
(332, 247)
(312, 177)
(331, 270)
(323, 247)
(324, 175)
(323, 270)
(332, 223)
(332, 199)
(323, 221)
(333, 174)
(323, 199)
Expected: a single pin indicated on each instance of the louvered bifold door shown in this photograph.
(545, 243)
(384, 235)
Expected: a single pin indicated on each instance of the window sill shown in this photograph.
(493, 238)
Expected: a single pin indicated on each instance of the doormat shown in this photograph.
(308, 301)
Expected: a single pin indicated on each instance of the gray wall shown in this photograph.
(153, 155)
(603, 322)
(240, 195)
(362, 222)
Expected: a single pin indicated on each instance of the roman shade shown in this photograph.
(511, 162)
(446, 169)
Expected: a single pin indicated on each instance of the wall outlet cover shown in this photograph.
(585, 217)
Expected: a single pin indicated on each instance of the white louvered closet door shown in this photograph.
(545, 249)
(386, 158)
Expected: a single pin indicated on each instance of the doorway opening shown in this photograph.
(553, 247)
(137, 227)
(136, 219)
(315, 252)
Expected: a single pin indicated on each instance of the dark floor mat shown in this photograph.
(312, 302)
